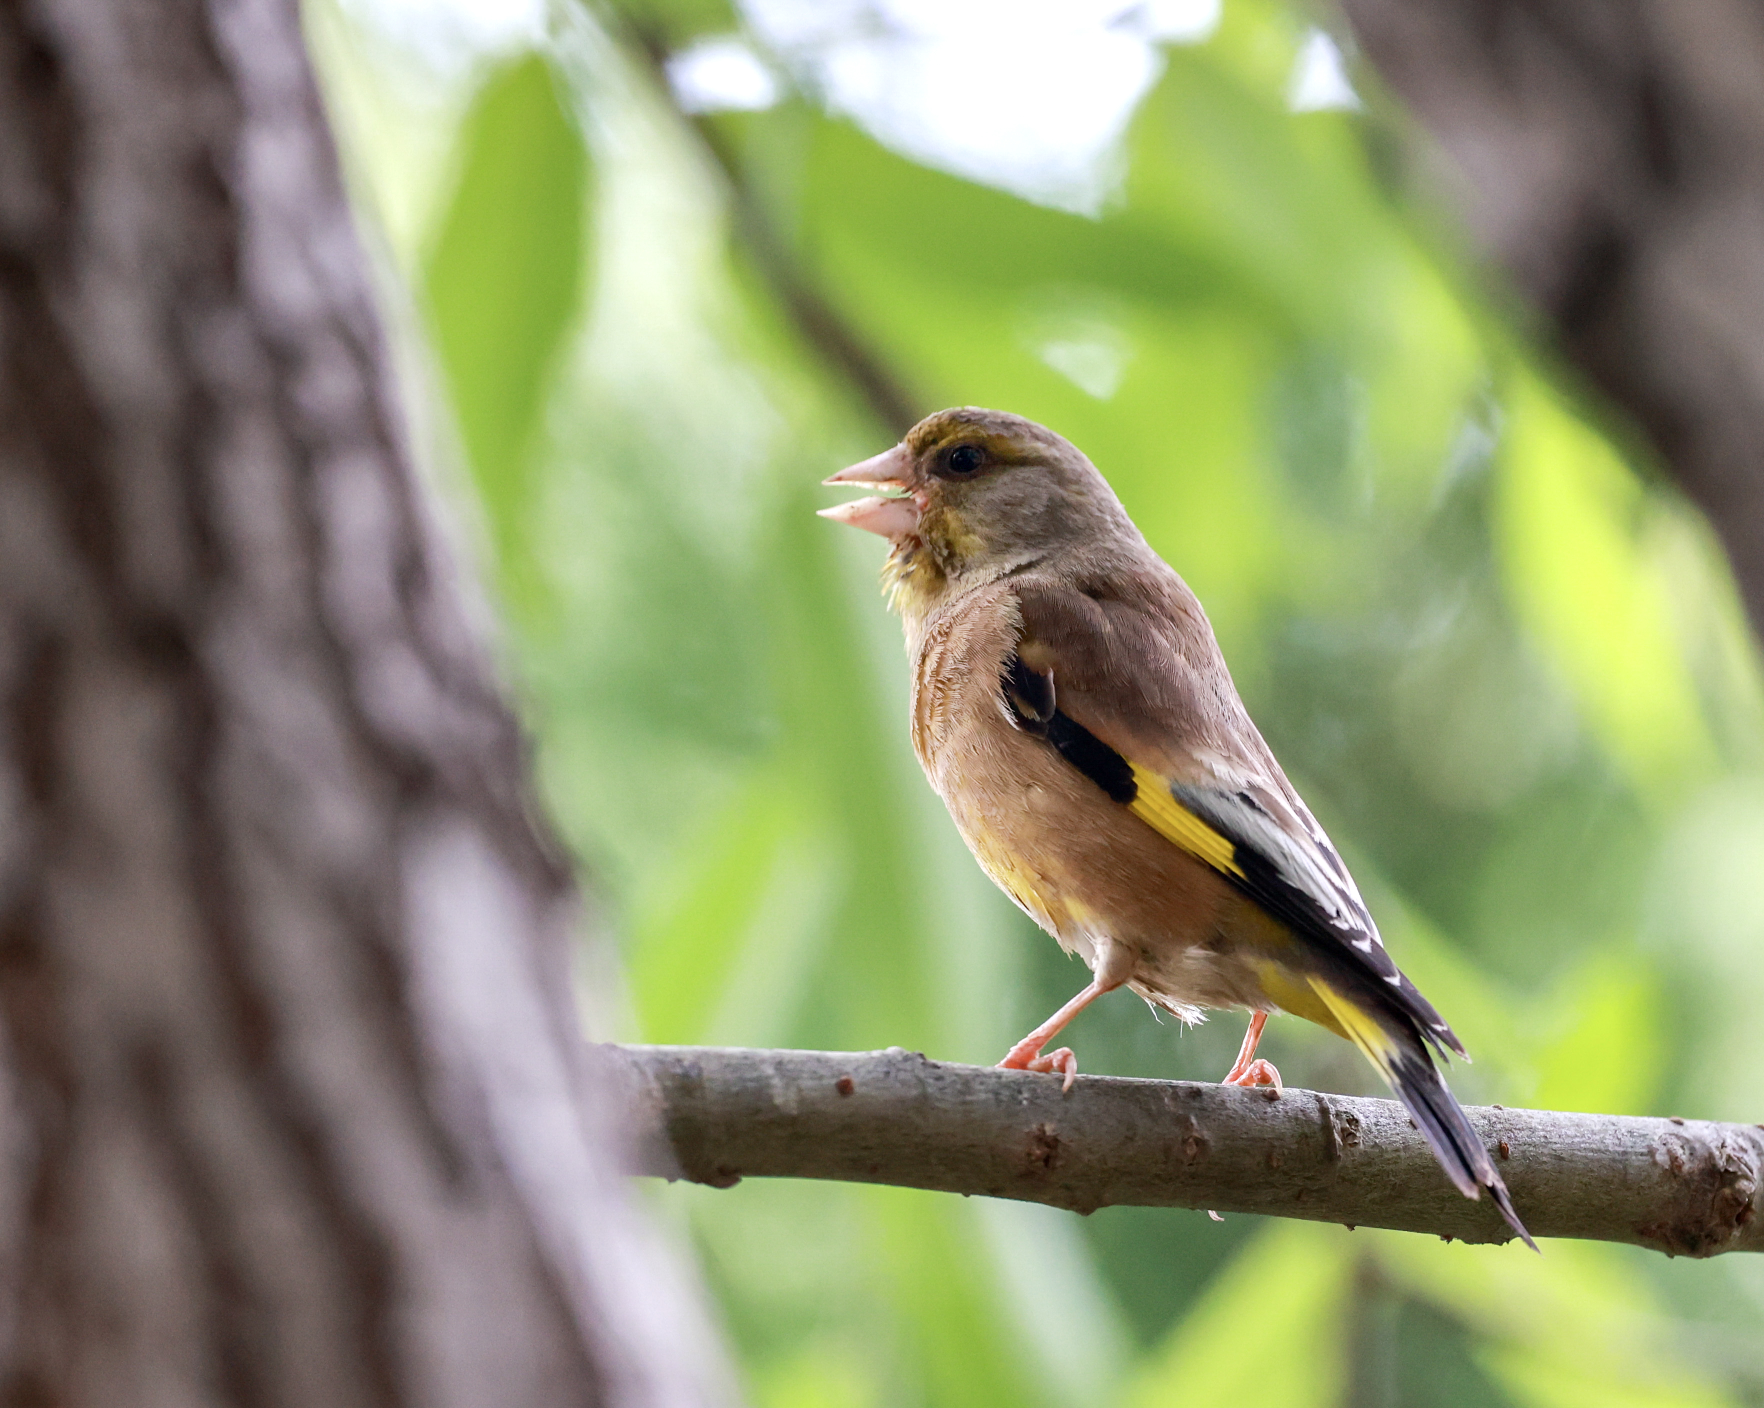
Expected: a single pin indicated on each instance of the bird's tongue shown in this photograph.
(888, 516)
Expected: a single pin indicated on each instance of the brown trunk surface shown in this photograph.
(294, 1107)
(1609, 154)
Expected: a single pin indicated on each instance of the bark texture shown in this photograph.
(1683, 1187)
(294, 1108)
(1610, 156)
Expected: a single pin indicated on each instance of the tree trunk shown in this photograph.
(295, 1105)
(1610, 156)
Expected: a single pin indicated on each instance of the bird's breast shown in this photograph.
(1079, 863)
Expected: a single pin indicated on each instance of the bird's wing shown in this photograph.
(1125, 680)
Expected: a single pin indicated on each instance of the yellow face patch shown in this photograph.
(911, 580)
(949, 532)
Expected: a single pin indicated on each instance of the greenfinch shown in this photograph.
(1071, 707)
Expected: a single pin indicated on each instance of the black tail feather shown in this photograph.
(1447, 1129)
(1498, 1191)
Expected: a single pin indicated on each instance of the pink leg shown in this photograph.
(1026, 1054)
(1246, 1070)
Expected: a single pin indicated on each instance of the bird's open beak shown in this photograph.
(892, 516)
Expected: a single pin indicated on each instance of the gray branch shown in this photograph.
(718, 1115)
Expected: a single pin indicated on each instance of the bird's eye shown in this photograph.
(965, 459)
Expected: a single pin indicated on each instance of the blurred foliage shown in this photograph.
(514, 225)
(1505, 665)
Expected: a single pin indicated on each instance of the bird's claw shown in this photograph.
(1061, 1062)
(1258, 1072)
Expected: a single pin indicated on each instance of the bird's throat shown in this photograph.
(911, 578)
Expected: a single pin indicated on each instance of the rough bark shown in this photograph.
(294, 1103)
(715, 1116)
(1610, 157)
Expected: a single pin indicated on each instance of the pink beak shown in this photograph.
(890, 517)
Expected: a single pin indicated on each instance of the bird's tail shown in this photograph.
(1391, 1045)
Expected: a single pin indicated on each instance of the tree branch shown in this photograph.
(718, 1115)
(824, 330)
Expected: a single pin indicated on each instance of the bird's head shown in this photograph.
(971, 494)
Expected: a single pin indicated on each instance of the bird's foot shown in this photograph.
(1256, 1073)
(1026, 1057)
(1250, 1074)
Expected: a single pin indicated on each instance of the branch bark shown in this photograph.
(715, 1116)
(292, 1107)
(1610, 157)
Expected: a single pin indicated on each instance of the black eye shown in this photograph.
(965, 459)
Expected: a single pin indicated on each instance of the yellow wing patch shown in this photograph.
(1164, 814)
(1308, 997)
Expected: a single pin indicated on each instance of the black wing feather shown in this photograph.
(1341, 926)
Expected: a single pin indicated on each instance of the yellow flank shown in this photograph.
(1358, 1026)
(1292, 993)
(1157, 808)
(1017, 880)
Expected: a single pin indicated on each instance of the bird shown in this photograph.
(1072, 708)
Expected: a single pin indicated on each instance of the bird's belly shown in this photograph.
(1086, 869)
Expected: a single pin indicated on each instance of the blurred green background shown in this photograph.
(654, 270)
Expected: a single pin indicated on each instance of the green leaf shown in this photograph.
(1573, 524)
(503, 279)
(1537, 1381)
(1268, 1331)
(1609, 1058)
(1579, 1325)
(955, 1329)
(681, 959)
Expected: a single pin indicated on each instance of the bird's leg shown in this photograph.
(1026, 1054)
(1114, 963)
(1246, 1052)
(1246, 1070)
